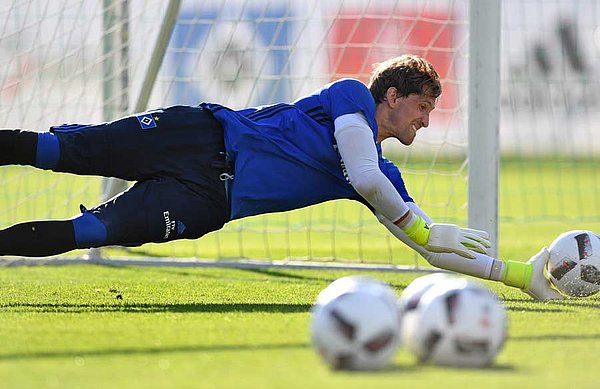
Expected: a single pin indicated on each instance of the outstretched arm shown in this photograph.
(527, 276)
(479, 265)
(445, 246)
(358, 151)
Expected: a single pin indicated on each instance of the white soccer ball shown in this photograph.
(574, 263)
(456, 322)
(356, 328)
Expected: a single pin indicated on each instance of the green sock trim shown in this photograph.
(517, 274)
(418, 232)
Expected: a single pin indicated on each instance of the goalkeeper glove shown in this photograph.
(446, 238)
(529, 277)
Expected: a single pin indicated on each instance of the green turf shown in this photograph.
(66, 327)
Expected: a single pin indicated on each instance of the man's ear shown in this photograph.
(391, 95)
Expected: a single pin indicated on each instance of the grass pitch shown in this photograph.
(90, 326)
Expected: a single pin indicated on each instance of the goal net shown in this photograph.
(87, 61)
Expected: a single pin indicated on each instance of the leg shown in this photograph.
(18, 147)
(173, 142)
(157, 210)
(38, 238)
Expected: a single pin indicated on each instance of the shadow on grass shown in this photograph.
(394, 369)
(284, 274)
(552, 305)
(419, 367)
(580, 304)
(325, 278)
(153, 351)
(521, 300)
(150, 308)
(534, 309)
(552, 338)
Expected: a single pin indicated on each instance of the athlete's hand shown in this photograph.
(538, 286)
(447, 238)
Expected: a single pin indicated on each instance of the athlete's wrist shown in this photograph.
(407, 219)
(416, 229)
(517, 274)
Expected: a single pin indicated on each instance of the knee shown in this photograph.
(89, 231)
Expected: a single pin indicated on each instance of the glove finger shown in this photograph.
(465, 253)
(475, 246)
(479, 233)
(458, 249)
(478, 239)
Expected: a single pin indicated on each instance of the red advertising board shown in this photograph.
(357, 40)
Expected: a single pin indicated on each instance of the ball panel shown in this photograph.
(380, 341)
(451, 304)
(430, 344)
(561, 269)
(584, 245)
(343, 326)
(591, 274)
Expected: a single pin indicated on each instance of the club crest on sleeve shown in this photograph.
(146, 121)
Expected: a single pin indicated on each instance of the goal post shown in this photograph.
(484, 117)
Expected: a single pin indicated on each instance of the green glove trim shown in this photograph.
(418, 232)
(517, 274)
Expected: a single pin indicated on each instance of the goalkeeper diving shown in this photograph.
(198, 167)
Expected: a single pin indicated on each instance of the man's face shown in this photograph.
(407, 115)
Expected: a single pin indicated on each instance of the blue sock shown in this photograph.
(89, 231)
(48, 151)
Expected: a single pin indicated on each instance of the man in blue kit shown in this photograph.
(196, 168)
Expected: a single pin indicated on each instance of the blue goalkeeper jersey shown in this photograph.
(285, 155)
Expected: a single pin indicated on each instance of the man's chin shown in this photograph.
(407, 142)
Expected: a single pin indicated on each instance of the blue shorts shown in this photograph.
(175, 154)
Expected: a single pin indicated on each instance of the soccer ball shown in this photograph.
(412, 294)
(355, 325)
(574, 263)
(456, 322)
